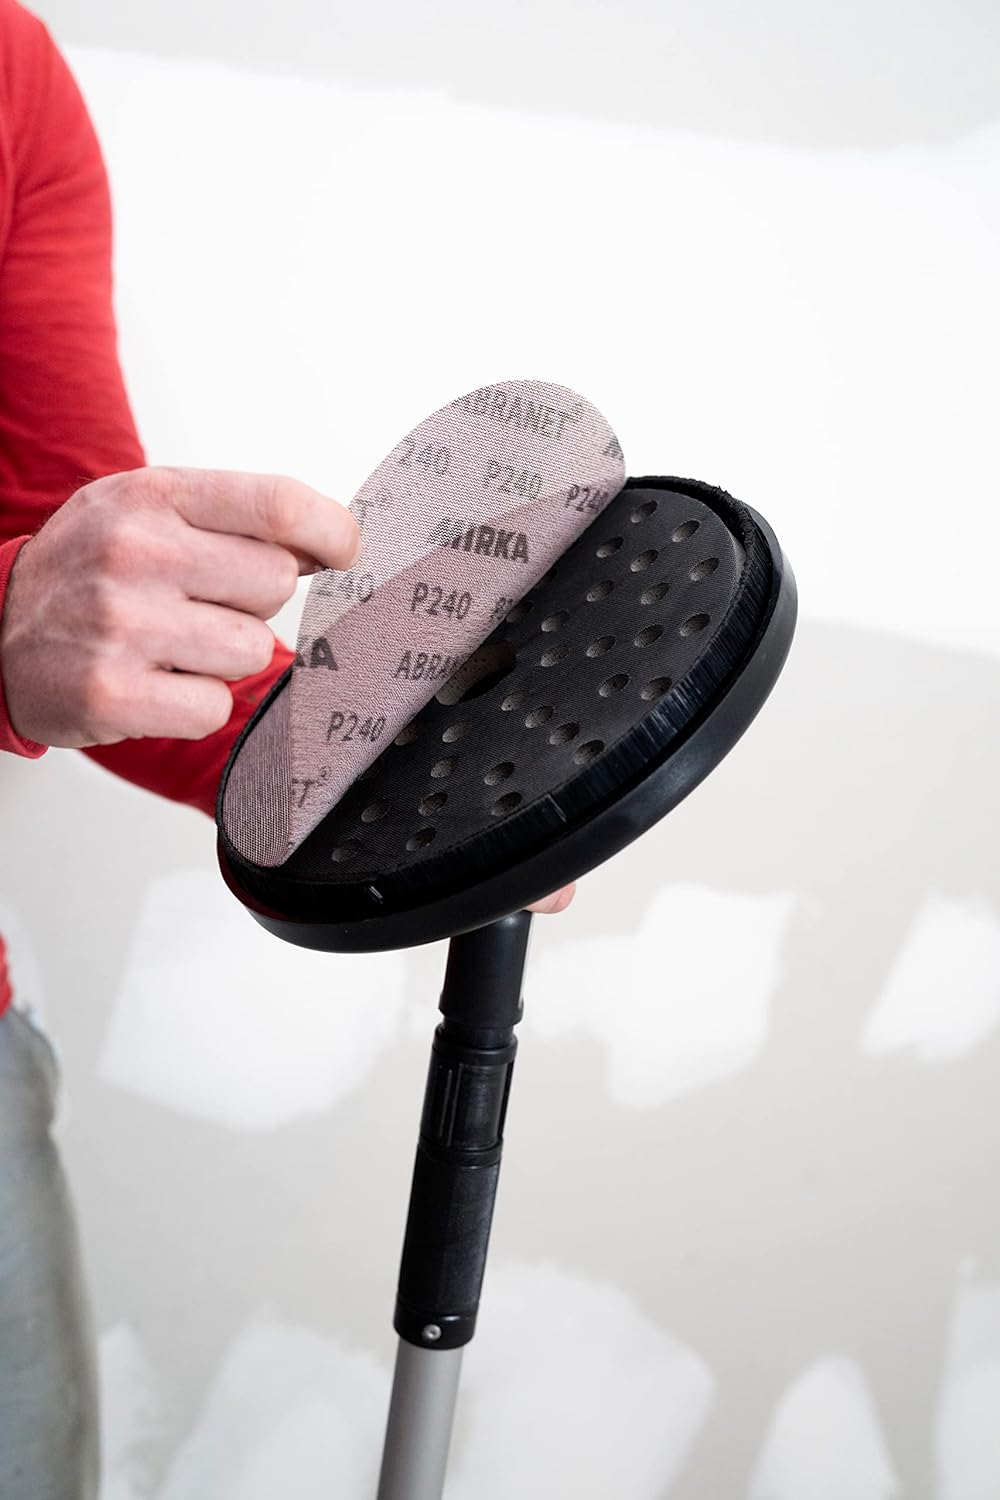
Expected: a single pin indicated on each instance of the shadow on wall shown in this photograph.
(817, 1201)
(825, 1198)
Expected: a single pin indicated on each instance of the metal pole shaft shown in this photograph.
(451, 1199)
(418, 1436)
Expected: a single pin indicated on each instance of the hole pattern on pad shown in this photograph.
(524, 742)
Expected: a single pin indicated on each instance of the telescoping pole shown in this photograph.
(451, 1200)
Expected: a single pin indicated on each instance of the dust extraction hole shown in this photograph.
(407, 736)
(612, 685)
(644, 560)
(644, 511)
(684, 530)
(588, 751)
(599, 590)
(694, 624)
(610, 546)
(499, 772)
(455, 732)
(703, 569)
(514, 700)
(432, 803)
(538, 716)
(654, 593)
(564, 734)
(420, 839)
(347, 850)
(656, 689)
(518, 612)
(506, 804)
(442, 768)
(649, 635)
(553, 655)
(483, 670)
(374, 811)
(602, 644)
(556, 621)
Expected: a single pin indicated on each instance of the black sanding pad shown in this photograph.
(604, 697)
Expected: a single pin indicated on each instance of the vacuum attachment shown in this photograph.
(618, 680)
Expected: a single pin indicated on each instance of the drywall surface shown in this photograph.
(748, 1238)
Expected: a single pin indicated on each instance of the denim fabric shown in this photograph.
(48, 1390)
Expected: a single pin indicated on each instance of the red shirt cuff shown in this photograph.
(9, 737)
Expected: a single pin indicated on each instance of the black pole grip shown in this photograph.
(461, 1136)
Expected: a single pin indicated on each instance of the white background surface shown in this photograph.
(750, 1192)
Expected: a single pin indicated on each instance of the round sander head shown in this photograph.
(608, 692)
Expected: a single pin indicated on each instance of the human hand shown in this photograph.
(558, 901)
(147, 592)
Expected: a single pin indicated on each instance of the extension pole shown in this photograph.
(451, 1200)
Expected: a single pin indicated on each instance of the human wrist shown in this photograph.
(10, 740)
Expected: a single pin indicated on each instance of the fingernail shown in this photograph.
(359, 543)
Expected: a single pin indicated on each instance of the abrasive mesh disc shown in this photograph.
(462, 517)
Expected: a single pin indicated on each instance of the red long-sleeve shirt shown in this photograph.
(64, 415)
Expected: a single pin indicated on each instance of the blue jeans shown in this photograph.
(48, 1388)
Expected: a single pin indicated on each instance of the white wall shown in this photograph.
(833, 72)
(761, 1227)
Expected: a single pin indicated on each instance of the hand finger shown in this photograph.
(255, 577)
(209, 640)
(557, 902)
(169, 705)
(269, 507)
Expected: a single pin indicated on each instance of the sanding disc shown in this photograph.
(463, 516)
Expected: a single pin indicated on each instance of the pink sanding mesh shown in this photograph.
(462, 518)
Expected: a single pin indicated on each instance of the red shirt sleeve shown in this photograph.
(64, 414)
